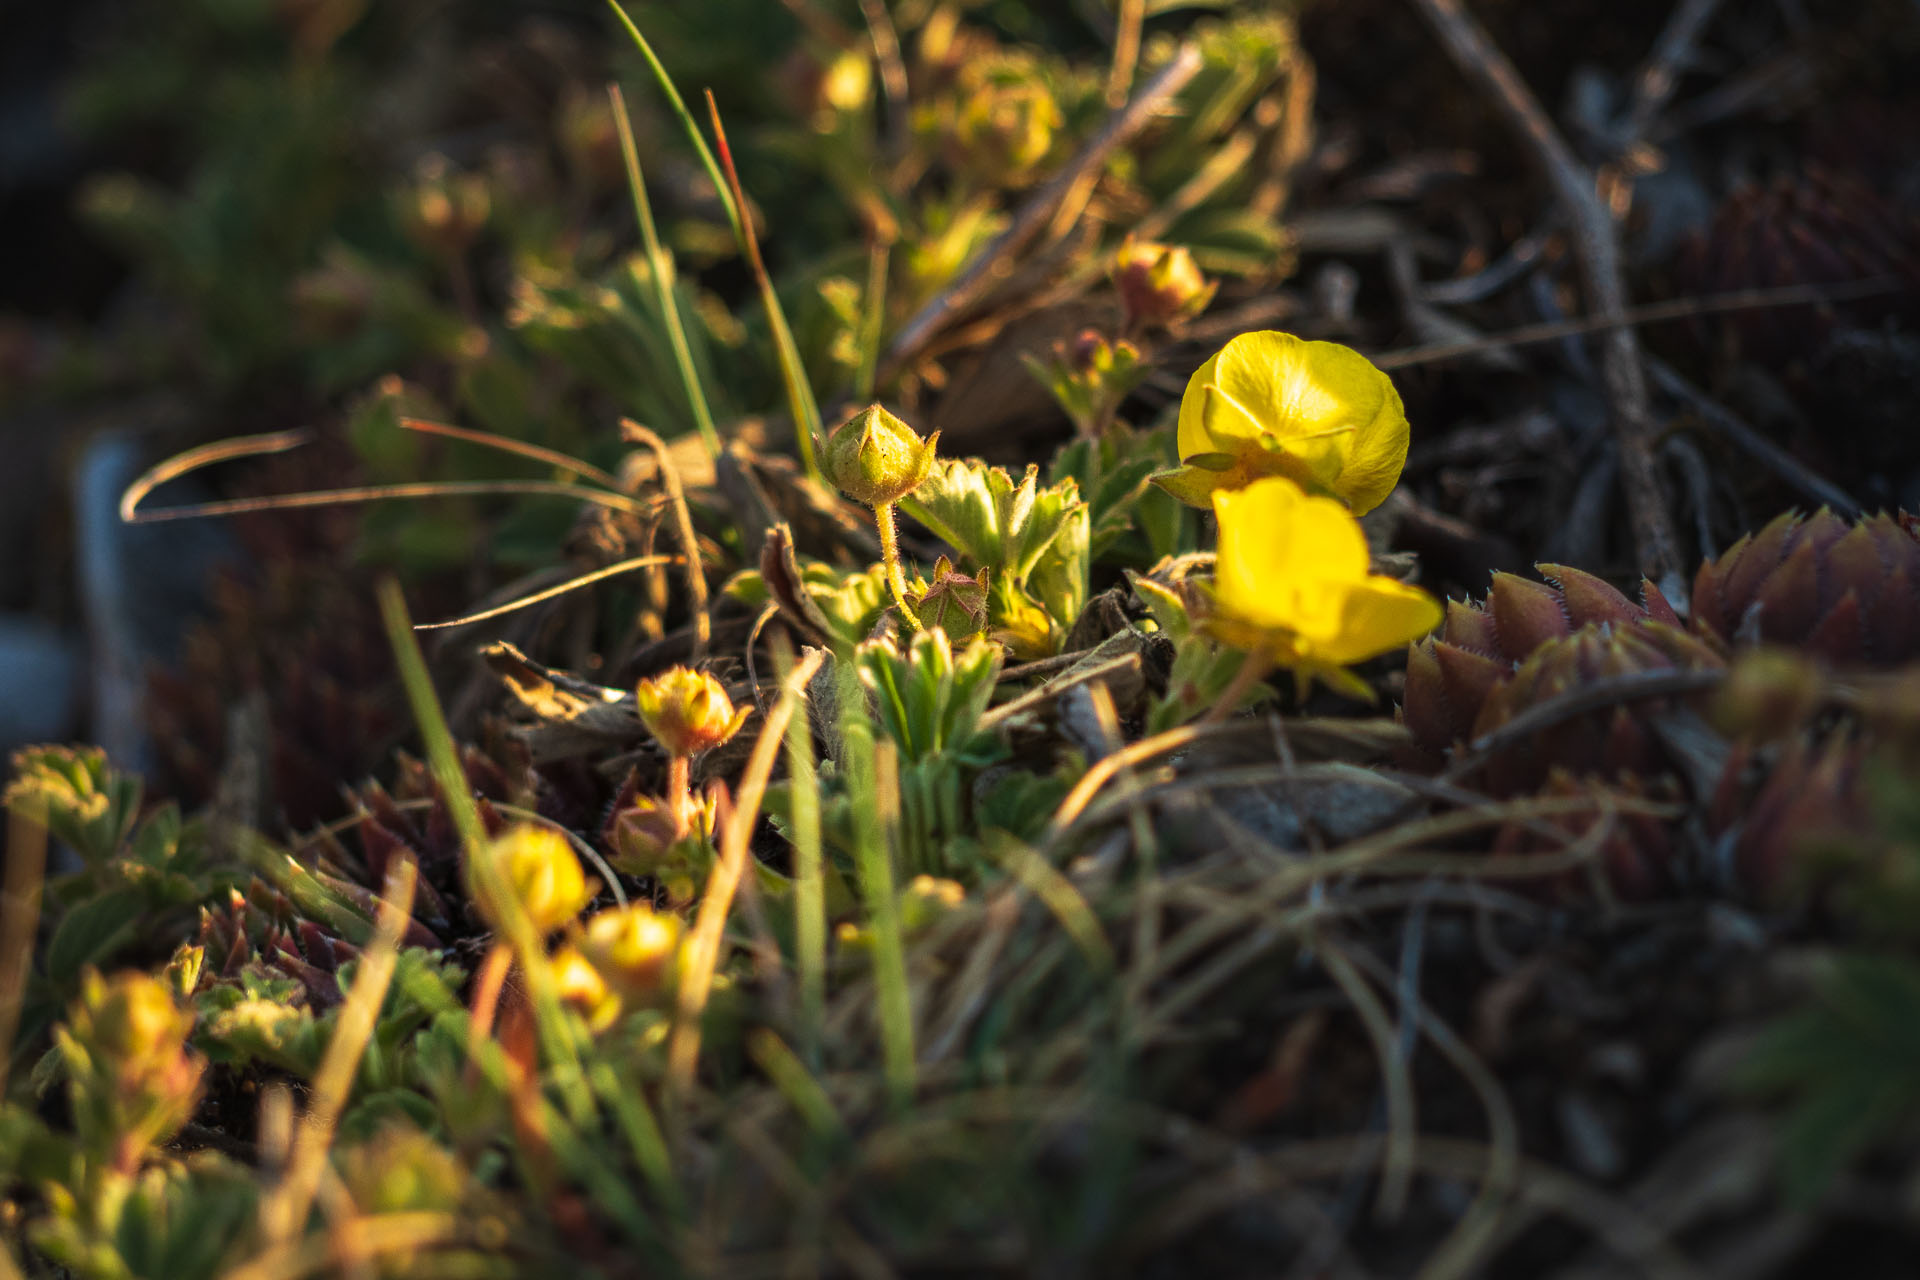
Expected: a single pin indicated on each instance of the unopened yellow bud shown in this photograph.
(579, 984)
(876, 458)
(688, 711)
(543, 873)
(1160, 284)
(130, 1019)
(633, 948)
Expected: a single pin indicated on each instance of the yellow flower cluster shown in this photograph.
(1288, 440)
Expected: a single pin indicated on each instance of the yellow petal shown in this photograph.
(1378, 616)
(1319, 401)
(1275, 542)
(1292, 578)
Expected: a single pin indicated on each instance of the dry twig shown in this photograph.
(1597, 246)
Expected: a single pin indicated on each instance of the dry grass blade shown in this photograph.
(1247, 1175)
(206, 455)
(1126, 51)
(284, 1213)
(1462, 1252)
(1397, 1156)
(1594, 696)
(893, 72)
(683, 527)
(1106, 768)
(519, 448)
(368, 1240)
(1597, 246)
(1712, 304)
(571, 584)
(26, 866)
(703, 947)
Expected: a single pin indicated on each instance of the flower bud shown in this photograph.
(875, 458)
(1769, 694)
(633, 948)
(444, 212)
(688, 711)
(1004, 126)
(644, 831)
(543, 873)
(133, 1082)
(579, 984)
(1091, 376)
(926, 900)
(954, 602)
(1160, 284)
(129, 1020)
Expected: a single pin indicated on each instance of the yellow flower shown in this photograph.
(688, 711)
(1271, 404)
(542, 871)
(1291, 582)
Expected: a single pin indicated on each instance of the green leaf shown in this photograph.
(91, 932)
(1846, 1062)
(1036, 542)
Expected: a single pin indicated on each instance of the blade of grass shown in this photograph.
(660, 265)
(800, 401)
(872, 320)
(702, 954)
(642, 1132)
(809, 877)
(634, 433)
(796, 1084)
(1397, 1161)
(678, 106)
(1040, 878)
(443, 759)
(873, 784)
(806, 414)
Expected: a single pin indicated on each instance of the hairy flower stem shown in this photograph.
(890, 556)
(680, 785)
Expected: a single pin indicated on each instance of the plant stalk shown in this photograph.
(890, 556)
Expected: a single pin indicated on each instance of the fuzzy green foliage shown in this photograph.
(1844, 1062)
(1034, 540)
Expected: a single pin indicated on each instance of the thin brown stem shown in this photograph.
(683, 527)
(1596, 240)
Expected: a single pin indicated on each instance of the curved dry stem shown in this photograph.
(683, 527)
(528, 601)
(190, 460)
(1397, 1156)
(519, 448)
